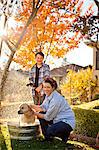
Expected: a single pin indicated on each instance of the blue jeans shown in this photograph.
(59, 129)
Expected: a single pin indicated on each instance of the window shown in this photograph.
(97, 60)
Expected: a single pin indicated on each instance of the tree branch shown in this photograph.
(9, 46)
(1, 1)
(38, 5)
(50, 43)
(1, 43)
(33, 6)
(97, 3)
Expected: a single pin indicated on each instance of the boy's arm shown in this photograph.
(31, 78)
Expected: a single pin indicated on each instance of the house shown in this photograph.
(95, 46)
(60, 73)
(96, 69)
(96, 64)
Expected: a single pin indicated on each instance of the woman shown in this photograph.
(55, 115)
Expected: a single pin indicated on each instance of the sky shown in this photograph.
(82, 56)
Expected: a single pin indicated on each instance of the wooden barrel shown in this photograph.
(23, 132)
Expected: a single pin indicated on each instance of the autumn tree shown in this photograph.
(78, 85)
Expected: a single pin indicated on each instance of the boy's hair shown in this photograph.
(40, 53)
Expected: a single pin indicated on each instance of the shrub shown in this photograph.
(87, 119)
(96, 96)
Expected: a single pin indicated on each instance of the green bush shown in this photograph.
(96, 96)
(87, 119)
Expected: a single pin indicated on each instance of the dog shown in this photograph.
(27, 113)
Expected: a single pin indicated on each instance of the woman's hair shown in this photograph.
(40, 53)
(52, 82)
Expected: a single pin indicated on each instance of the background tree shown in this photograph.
(88, 26)
(78, 85)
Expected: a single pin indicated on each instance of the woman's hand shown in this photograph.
(32, 106)
(39, 115)
(37, 108)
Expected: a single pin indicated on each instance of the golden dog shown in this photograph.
(27, 114)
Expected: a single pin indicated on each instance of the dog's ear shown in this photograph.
(31, 106)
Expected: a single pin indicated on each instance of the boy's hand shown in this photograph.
(38, 89)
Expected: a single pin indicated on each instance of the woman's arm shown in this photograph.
(37, 108)
(39, 115)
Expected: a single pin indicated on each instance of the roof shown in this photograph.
(61, 71)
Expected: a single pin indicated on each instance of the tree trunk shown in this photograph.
(1, 43)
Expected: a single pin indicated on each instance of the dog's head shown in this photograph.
(24, 108)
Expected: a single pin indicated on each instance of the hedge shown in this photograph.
(87, 119)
